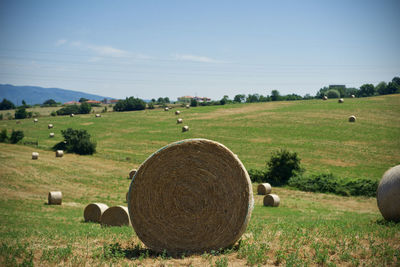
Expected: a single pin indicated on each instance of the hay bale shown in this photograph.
(72, 115)
(388, 194)
(35, 120)
(54, 198)
(35, 155)
(59, 153)
(166, 109)
(177, 112)
(50, 126)
(179, 120)
(17, 122)
(352, 118)
(187, 106)
(190, 196)
(185, 128)
(51, 135)
(264, 189)
(271, 200)
(132, 173)
(340, 100)
(98, 115)
(93, 212)
(325, 97)
(115, 216)
(353, 96)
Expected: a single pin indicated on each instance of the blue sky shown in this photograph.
(149, 49)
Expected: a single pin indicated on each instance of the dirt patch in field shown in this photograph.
(87, 123)
(337, 162)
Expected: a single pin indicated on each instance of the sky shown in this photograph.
(150, 49)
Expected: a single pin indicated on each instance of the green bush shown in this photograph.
(193, 102)
(67, 110)
(333, 93)
(85, 108)
(76, 141)
(3, 136)
(53, 113)
(282, 165)
(21, 113)
(258, 176)
(1, 117)
(16, 136)
(150, 105)
(130, 104)
(328, 183)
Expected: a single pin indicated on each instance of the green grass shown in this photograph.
(306, 229)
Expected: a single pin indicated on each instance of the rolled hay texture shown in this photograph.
(51, 135)
(166, 109)
(177, 112)
(271, 200)
(50, 126)
(353, 96)
(179, 120)
(325, 98)
(340, 100)
(54, 198)
(185, 128)
(388, 194)
(115, 216)
(35, 155)
(264, 189)
(72, 115)
(352, 118)
(93, 212)
(59, 153)
(190, 196)
(35, 120)
(98, 115)
(187, 106)
(132, 173)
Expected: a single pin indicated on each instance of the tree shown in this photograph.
(129, 104)
(6, 104)
(239, 98)
(49, 103)
(224, 100)
(193, 103)
(16, 136)
(275, 95)
(282, 165)
(381, 88)
(85, 108)
(333, 93)
(21, 113)
(166, 100)
(83, 100)
(76, 141)
(367, 90)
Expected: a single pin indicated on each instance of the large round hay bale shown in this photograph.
(166, 109)
(35, 155)
(388, 194)
(93, 212)
(264, 189)
(352, 118)
(340, 100)
(190, 196)
(50, 126)
(177, 112)
(51, 135)
(325, 97)
(132, 173)
(185, 128)
(271, 200)
(179, 120)
(54, 198)
(35, 120)
(98, 115)
(59, 153)
(115, 216)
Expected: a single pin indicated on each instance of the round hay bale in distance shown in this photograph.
(325, 97)
(132, 173)
(187, 106)
(340, 100)
(115, 216)
(190, 196)
(388, 194)
(93, 212)
(353, 96)
(179, 120)
(166, 109)
(271, 200)
(50, 126)
(264, 189)
(185, 128)
(98, 115)
(54, 198)
(35, 120)
(59, 153)
(35, 155)
(51, 135)
(72, 115)
(352, 118)
(177, 112)
(17, 122)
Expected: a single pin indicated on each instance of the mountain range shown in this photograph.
(37, 95)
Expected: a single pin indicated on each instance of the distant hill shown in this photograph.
(37, 95)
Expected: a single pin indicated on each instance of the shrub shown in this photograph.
(53, 113)
(129, 104)
(333, 93)
(6, 104)
(68, 110)
(1, 117)
(85, 108)
(16, 136)
(150, 105)
(328, 183)
(193, 102)
(3, 136)
(76, 141)
(258, 176)
(21, 113)
(282, 165)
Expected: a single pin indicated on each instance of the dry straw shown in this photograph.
(93, 212)
(35, 155)
(388, 194)
(185, 128)
(54, 198)
(177, 112)
(340, 100)
(132, 173)
(271, 200)
(50, 126)
(190, 196)
(59, 153)
(115, 216)
(264, 189)
(51, 135)
(179, 120)
(352, 118)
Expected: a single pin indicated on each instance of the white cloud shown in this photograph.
(107, 51)
(61, 42)
(195, 58)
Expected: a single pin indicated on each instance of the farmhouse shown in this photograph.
(187, 99)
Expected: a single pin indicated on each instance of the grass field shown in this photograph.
(306, 229)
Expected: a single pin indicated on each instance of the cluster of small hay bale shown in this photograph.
(35, 155)
(54, 198)
(94, 211)
(352, 118)
(59, 153)
(51, 135)
(271, 200)
(106, 216)
(388, 194)
(50, 126)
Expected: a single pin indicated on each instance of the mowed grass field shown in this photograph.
(306, 229)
